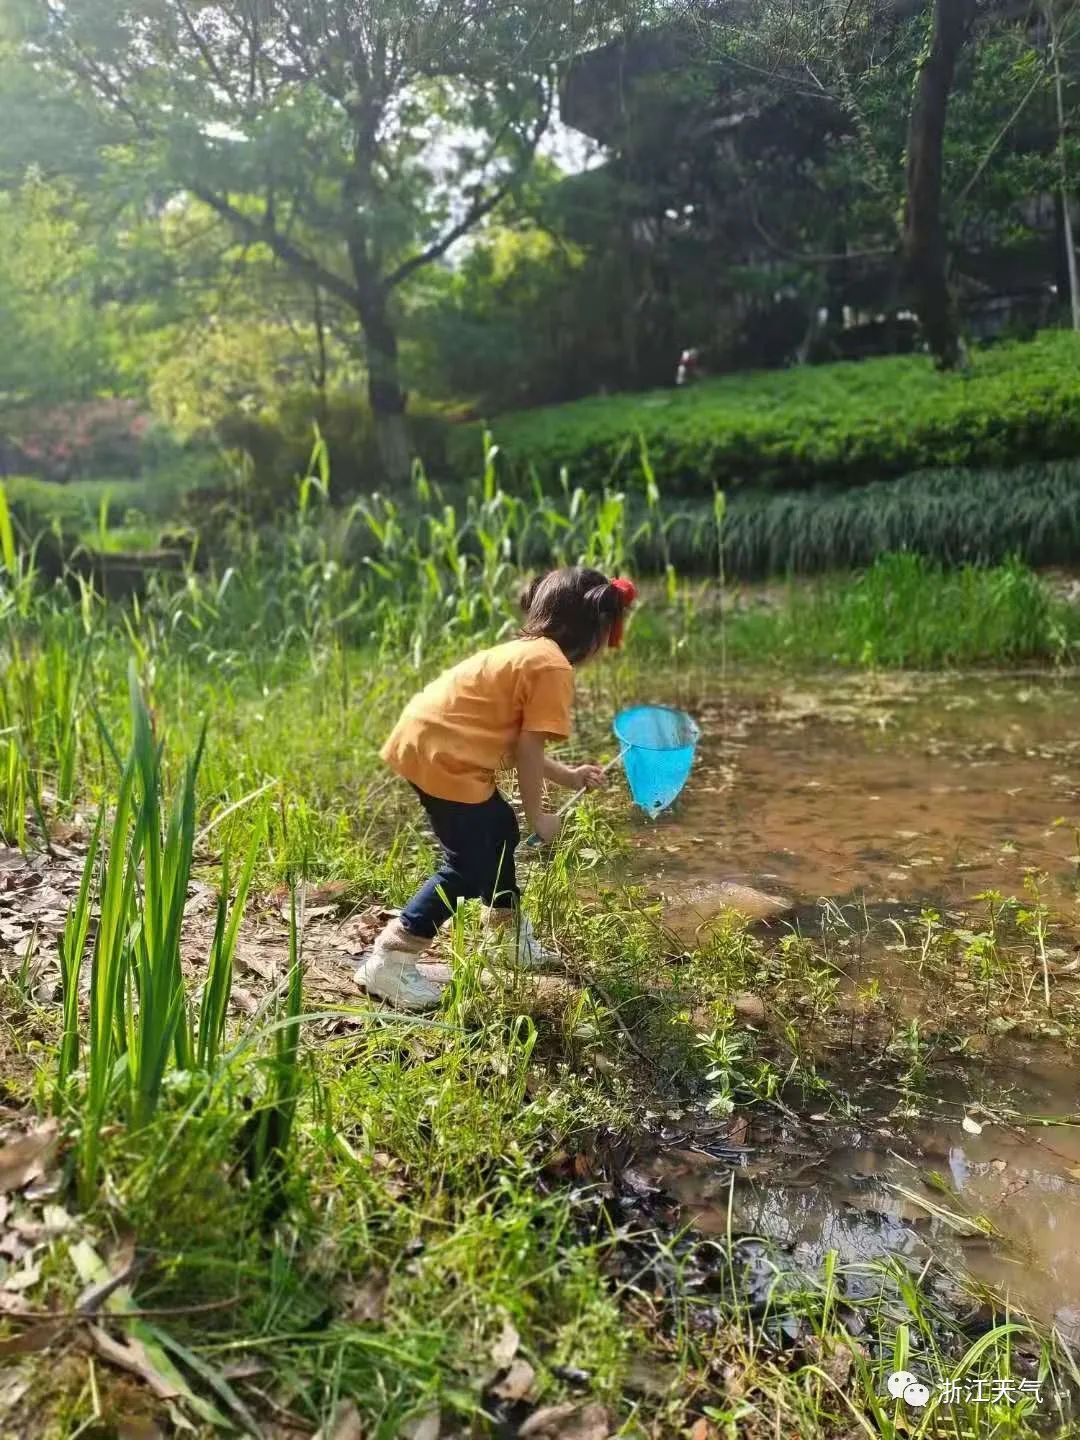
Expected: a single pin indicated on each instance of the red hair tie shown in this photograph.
(628, 594)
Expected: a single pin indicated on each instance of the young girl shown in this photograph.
(502, 705)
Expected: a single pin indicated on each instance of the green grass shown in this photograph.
(905, 611)
(370, 1200)
(836, 424)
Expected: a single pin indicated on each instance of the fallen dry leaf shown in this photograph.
(516, 1383)
(28, 1342)
(971, 1126)
(366, 1302)
(506, 1347)
(23, 1279)
(424, 1427)
(25, 1159)
(345, 1424)
(702, 1430)
(568, 1422)
(13, 1246)
(55, 1221)
(131, 1355)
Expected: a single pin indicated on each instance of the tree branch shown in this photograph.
(817, 259)
(284, 249)
(92, 73)
(475, 212)
(204, 50)
(999, 140)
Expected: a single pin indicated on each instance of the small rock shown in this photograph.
(750, 903)
(750, 1009)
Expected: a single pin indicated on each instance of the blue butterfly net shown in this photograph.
(658, 751)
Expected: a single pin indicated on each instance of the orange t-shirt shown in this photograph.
(456, 733)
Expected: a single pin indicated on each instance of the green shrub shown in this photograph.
(830, 424)
(277, 445)
(79, 507)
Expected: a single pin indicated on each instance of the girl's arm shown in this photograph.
(573, 777)
(531, 767)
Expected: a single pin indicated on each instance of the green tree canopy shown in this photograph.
(356, 140)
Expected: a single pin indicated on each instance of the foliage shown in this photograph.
(57, 339)
(110, 513)
(240, 306)
(337, 169)
(506, 326)
(91, 438)
(832, 423)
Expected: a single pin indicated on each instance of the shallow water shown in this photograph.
(913, 790)
(884, 797)
(859, 1190)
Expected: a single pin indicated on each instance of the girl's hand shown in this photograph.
(588, 777)
(547, 827)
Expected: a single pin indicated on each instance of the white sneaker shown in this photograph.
(521, 945)
(390, 971)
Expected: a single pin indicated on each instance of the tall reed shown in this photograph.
(141, 1014)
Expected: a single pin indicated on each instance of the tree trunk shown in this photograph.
(925, 249)
(385, 395)
(322, 369)
(1068, 237)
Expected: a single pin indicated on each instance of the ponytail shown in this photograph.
(626, 591)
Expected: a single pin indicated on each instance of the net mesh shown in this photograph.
(658, 746)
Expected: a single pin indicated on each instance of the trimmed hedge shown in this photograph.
(837, 424)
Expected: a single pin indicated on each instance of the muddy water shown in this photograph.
(894, 795)
(891, 790)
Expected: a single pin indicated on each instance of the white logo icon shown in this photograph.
(902, 1385)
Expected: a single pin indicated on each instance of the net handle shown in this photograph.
(534, 839)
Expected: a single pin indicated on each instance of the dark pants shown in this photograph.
(478, 843)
